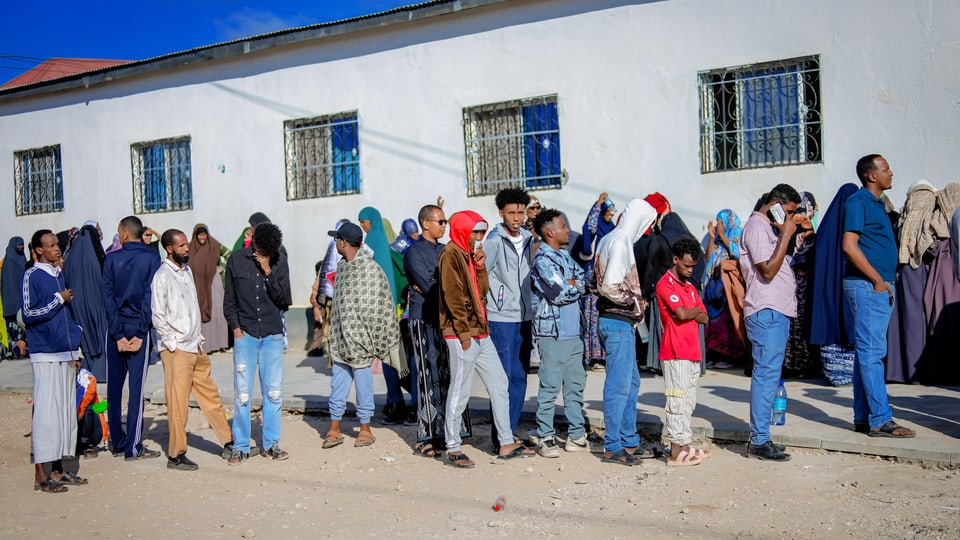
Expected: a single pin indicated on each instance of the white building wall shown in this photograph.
(625, 73)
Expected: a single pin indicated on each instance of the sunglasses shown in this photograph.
(441, 222)
(537, 207)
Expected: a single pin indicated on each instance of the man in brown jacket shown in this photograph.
(463, 321)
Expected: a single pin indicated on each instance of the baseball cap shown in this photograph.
(349, 232)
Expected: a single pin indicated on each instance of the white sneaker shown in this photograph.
(548, 448)
(582, 444)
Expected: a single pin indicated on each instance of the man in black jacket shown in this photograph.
(256, 293)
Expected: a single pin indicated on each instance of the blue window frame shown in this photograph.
(162, 176)
(512, 144)
(761, 115)
(322, 156)
(38, 179)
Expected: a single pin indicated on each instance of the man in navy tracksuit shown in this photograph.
(127, 274)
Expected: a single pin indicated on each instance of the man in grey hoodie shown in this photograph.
(509, 249)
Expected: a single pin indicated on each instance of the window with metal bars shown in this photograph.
(38, 181)
(161, 175)
(322, 156)
(512, 144)
(761, 115)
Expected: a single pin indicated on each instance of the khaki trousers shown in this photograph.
(680, 379)
(185, 373)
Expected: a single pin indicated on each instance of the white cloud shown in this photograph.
(250, 22)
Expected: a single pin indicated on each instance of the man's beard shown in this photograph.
(180, 259)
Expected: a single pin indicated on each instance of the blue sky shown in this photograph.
(31, 32)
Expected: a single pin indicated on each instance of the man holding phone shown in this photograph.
(768, 304)
(871, 249)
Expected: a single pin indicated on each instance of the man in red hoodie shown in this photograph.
(463, 321)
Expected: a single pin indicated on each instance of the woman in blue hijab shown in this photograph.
(409, 232)
(598, 224)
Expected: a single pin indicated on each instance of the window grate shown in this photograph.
(322, 156)
(512, 144)
(161, 176)
(38, 179)
(762, 115)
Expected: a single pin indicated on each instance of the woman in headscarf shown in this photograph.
(11, 281)
(722, 337)
(598, 224)
(207, 256)
(83, 273)
(800, 359)
(376, 237)
(114, 246)
(831, 324)
(409, 232)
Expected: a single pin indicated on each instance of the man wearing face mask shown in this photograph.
(186, 367)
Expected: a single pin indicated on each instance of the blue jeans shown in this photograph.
(252, 356)
(768, 330)
(871, 316)
(394, 391)
(621, 386)
(507, 339)
(343, 375)
(561, 368)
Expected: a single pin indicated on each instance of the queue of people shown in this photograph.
(635, 289)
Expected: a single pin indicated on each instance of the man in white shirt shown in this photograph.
(186, 368)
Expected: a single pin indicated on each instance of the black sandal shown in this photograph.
(518, 452)
(50, 486)
(640, 452)
(71, 479)
(620, 457)
(461, 461)
(891, 429)
(426, 449)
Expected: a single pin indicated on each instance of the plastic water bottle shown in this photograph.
(779, 415)
(500, 504)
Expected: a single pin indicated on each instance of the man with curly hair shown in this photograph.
(509, 249)
(256, 293)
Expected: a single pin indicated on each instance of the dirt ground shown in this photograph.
(386, 490)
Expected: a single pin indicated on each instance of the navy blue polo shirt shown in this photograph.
(865, 214)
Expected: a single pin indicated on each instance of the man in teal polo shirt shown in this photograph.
(868, 284)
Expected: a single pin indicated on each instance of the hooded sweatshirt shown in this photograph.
(509, 297)
(463, 286)
(615, 277)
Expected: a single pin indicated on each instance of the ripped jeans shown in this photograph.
(251, 356)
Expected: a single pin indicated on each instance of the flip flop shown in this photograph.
(684, 459)
(364, 439)
(517, 452)
(332, 440)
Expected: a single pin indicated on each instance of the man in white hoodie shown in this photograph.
(621, 306)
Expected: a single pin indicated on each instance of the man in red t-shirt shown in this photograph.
(681, 310)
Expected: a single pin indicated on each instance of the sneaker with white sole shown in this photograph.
(582, 444)
(548, 448)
